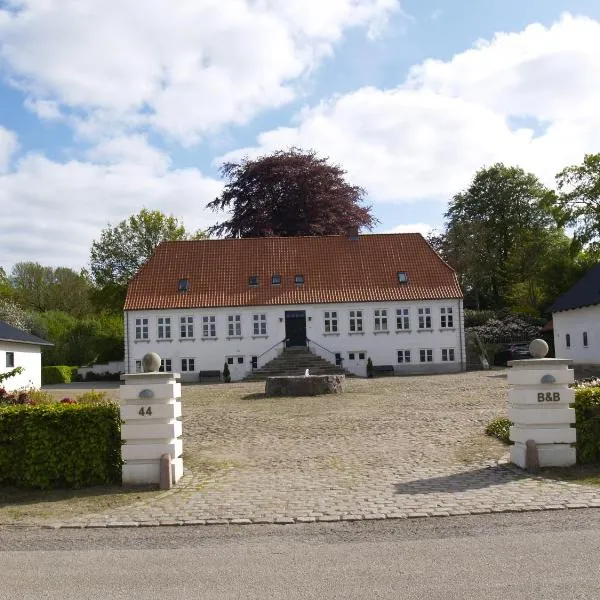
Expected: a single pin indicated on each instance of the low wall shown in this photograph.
(313, 385)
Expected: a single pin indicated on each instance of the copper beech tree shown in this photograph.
(288, 193)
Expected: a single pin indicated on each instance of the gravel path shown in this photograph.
(387, 448)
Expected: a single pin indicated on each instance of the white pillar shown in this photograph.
(539, 408)
(150, 409)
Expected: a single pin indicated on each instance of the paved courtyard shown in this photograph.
(387, 448)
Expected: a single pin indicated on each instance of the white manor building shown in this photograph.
(390, 297)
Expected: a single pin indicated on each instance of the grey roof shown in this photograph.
(586, 292)
(8, 333)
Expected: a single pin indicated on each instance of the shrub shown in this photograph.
(226, 373)
(60, 445)
(587, 414)
(106, 376)
(12, 373)
(58, 374)
(93, 397)
(370, 369)
(499, 428)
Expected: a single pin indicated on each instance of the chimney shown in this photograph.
(352, 233)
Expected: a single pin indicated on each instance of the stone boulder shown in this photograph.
(313, 385)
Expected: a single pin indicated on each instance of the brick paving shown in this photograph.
(392, 448)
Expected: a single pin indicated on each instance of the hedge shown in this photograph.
(58, 374)
(60, 445)
(587, 414)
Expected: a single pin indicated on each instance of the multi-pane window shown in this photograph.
(141, 329)
(381, 321)
(331, 321)
(188, 364)
(233, 359)
(165, 365)
(568, 340)
(186, 327)
(403, 356)
(402, 319)
(448, 354)
(426, 355)
(585, 339)
(424, 318)
(138, 366)
(356, 320)
(446, 317)
(10, 359)
(260, 324)
(209, 326)
(164, 328)
(234, 323)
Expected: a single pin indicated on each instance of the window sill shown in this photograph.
(356, 333)
(159, 340)
(233, 337)
(258, 337)
(403, 331)
(424, 330)
(379, 332)
(447, 328)
(141, 341)
(187, 339)
(209, 339)
(331, 334)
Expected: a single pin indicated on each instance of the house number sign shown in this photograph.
(145, 412)
(548, 397)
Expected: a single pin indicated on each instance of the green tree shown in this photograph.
(31, 284)
(121, 250)
(579, 188)
(289, 193)
(491, 227)
(13, 314)
(6, 289)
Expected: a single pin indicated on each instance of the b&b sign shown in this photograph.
(548, 397)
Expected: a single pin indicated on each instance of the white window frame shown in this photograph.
(403, 357)
(402, 319)
(139, 367)
(234, 325)
(425, 355)
(330, 321)
(166, 365)
(209, 327)
(380, 319)
(164, 328)
(259, 324)
(448, 355)
(141, 328)
(446, 317)
(356, 320)
(188, 365)
(424, 318)
(186, 327)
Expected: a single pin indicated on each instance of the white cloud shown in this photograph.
(8, 146)
(427, 137)
(184, 68)
(51, 212)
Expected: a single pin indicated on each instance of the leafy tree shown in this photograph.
(288, 193)
(13, 314)
(31, 283)
(6, 290)
(580, 197)
(491, 227)
(121, 250)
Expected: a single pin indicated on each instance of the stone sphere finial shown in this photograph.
(151, 362)
(538, 348)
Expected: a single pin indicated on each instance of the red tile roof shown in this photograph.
(335, 269)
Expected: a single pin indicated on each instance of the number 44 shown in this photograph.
(145, 412)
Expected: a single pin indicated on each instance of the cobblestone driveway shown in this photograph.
(391, 447)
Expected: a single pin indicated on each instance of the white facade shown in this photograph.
(577, 335)
(413, 336)
(17, 354)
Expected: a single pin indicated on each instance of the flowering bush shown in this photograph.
(68, 401)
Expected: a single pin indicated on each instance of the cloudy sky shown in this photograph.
(108, 107)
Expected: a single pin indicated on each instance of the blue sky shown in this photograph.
(107, 110)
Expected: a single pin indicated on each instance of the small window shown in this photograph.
(141, 329)
(331, 321)
(240, 360)
(426, 355)
(10, 359)
(361, 356)
(585, 339)
(164, 328)
(276, 280)
(338, 359)
(448, 354)
(253, 280)
(188, 364)
(165, 365)
(186, 327)
(255, 362)
(234, 325)
(138, 366)
(259, 323)
(402, 277)
(230, 360)
(403, 356)
(184, 285)
(402, 319)
(568, 340)
(446, 318)
(424, 318)
(299, 279)
(351, 355)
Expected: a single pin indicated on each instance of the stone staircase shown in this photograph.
(295, 361)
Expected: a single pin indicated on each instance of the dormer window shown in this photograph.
(402, 277)
(184, 285)
(276, 280)
(253, 280)
(299, 279)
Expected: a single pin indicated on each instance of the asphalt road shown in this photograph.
(542, 555)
